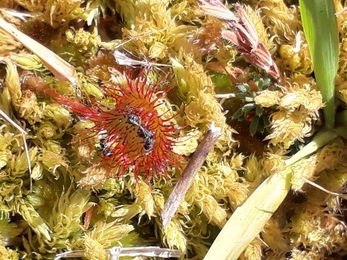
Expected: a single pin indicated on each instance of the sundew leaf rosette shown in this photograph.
(137, 132)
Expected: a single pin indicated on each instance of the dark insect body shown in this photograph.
(134, 135)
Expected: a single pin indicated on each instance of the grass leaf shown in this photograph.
(248, 220)
(320, 27)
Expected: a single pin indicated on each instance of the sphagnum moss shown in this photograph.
(92, 211)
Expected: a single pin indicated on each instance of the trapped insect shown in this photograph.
(133, 134)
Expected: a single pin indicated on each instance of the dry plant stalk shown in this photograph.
(59, 67)
(116, 252)
(189, 173)
(22, 131)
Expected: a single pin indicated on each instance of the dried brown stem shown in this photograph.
(189, 173)
(59, 67)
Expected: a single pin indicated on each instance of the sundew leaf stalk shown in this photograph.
(133, 133)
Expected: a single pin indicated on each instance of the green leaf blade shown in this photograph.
(320, 27)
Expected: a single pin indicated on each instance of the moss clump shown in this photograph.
(78, 201)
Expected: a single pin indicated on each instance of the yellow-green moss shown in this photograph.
(70, 176)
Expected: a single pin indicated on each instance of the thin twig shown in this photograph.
(117, 251)
(189, 173)
(225, 96)
(124, 60)
(22, 131)
(59, 67)
(340, 195)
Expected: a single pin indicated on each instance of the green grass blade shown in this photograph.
(320, 27)
(323, 137)
(248, 220)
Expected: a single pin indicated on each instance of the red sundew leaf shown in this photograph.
(134, 134)
(152, 131)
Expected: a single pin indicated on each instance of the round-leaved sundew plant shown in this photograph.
(134, 133)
